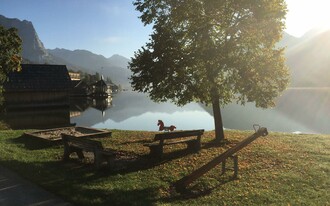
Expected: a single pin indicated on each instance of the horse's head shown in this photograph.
(160, 122)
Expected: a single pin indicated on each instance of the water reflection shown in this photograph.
(36, 117)
(298, 110)
(135, 111)
(48, 116)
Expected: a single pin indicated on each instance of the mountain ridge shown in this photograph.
(306, 56)
(36, 52)
(114, 67)
(33, 51)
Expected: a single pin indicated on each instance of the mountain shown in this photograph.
(114, 67)
(307, 57)
(309, 60)
(33, 49)
(288, 41)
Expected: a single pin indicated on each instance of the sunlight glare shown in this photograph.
(304, 15)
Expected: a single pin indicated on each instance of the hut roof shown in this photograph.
(39, 77)
(100, 83)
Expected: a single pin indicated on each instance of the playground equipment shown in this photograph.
(165, 128)
(181, 185)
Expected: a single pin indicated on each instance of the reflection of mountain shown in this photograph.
(130, 104)
(309, 107)
(297, 109)
(135, 104)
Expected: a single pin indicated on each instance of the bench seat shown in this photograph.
(79, 145)
(190, 137)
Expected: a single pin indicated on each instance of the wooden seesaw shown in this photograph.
(181, 185)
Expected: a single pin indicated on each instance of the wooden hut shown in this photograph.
(38, 85)
(79, 89)
(100, 89)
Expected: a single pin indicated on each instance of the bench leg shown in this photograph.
(235, 159)
(97, 159)
(156, 151)
(194, 146)
(68, 150)
(80, 153)
(67, 153)
(223, 165)
(235, 168)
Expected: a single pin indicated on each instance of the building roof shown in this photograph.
(100, 83)
(39, 77)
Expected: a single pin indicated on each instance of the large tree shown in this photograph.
(10, 54)
(212, 51)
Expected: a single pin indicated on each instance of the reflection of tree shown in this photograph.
(296, 110)
(36, 117)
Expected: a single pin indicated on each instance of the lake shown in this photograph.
(298, 110)
(303, 110)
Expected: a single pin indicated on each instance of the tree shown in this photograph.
(10, 56)
(212, 51)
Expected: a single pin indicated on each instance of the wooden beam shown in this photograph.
(180, 185)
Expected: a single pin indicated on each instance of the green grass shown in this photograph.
(280, 169)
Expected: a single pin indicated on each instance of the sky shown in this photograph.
(109, 27)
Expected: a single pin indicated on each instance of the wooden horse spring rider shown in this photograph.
(165, 128)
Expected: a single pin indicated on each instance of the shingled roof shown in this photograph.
(39, 77)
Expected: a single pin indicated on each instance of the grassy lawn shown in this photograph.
(280, 169)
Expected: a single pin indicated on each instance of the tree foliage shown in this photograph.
(212, 51)
(10, 56)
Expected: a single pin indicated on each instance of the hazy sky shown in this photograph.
(110, 27)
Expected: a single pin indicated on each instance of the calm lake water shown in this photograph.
(298, 110)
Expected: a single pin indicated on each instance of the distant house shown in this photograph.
(100, 89)
(80, 89)
(38, 85)
(74, 75)
(114, 88)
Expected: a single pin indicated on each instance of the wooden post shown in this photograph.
(235, 160)
(223, 167)
(235, 167)
(180, 185)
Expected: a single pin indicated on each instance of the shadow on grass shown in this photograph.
(129, 162)
(135, 142)
(125, 162)
(68, 178)
(79, 185)
(214, 143)
(94, 196)
(34, 143)
(195, 191)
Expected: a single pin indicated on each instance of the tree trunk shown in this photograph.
(218, 125)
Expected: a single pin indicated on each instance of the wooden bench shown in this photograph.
(187, 137)
(77, 145)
